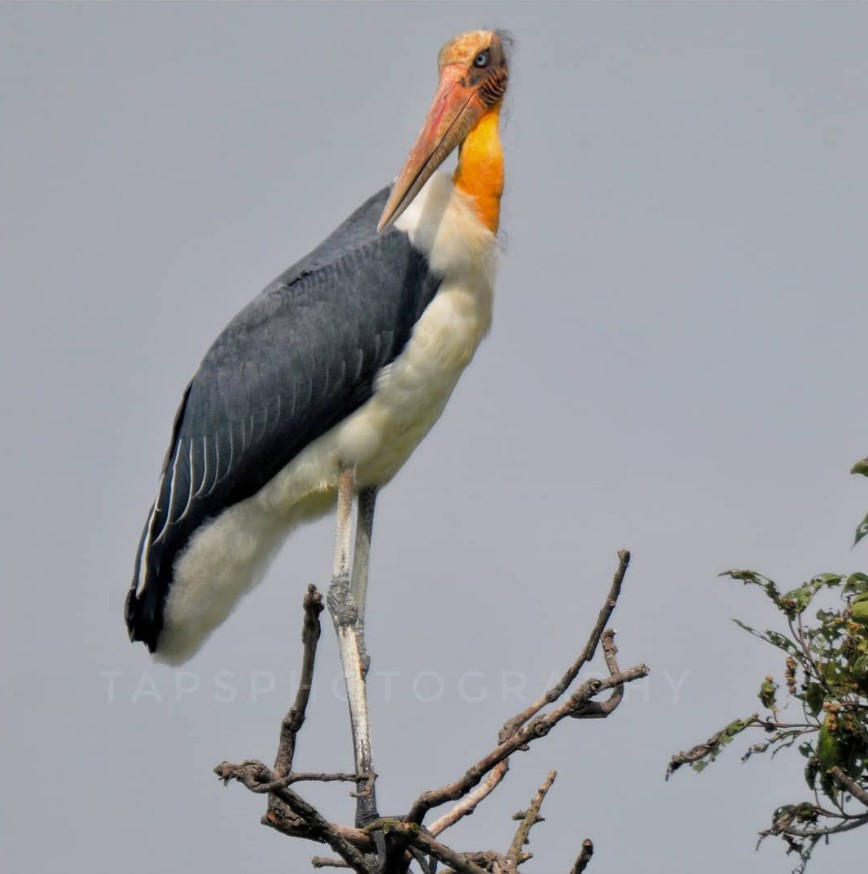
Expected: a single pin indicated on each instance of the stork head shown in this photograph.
(473, 76)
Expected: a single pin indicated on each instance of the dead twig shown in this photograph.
(294, 719)
(586, 654)
(517, 733)
(601, 709)
(257, 778)
(610, 653)
(539, 727)
(529, 818)
(411, 834)
(317, 777)
(295, 827)
(491, 862)
(325, 832)
(406, 838)
(469, 803)
(584, 857)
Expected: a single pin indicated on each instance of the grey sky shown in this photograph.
(677, 365)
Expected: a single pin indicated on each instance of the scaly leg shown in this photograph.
(361, 558)
(347, 620)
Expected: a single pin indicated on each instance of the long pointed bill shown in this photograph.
(454, 112)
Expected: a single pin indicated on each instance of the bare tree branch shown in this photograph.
(529, 819)
(489, 861)
(257, 778)
(584, 656)
(469, 803)
(540, 727)
(254, 775)
(610, 653)
(326, 832)
(592, 710)
(579, 706)
(294, 719)
(584, 857)
(405, 838)
(410, 833)
(295, 827)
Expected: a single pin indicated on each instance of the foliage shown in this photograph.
(861, 467)
(820, 707)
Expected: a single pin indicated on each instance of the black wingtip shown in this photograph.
(140, 622)
(143, 619)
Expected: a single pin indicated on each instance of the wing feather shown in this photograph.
(275, 380)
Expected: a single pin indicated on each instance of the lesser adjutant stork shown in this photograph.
(326, 382)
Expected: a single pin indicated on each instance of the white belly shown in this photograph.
(229, 555)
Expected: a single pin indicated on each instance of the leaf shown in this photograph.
(829, 580)
(812, 768)
(737, 726)
(815, 695)
(859, 611)
(856, 583)
(796, 600)
(861, 530)
(752, 578)
(828, 753)
(860, 467)
(747, 628)
(781, 642)
(756, 749)
(772, 637)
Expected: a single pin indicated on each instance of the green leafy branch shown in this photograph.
(825, 681)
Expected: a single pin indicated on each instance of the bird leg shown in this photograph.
(361, 558)
(347, 617)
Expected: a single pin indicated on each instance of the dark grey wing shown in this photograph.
(301, 357)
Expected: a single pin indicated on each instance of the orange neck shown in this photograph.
(480, 168)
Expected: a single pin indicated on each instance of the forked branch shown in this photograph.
(407, 839)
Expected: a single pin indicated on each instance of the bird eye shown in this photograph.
(482, 59)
